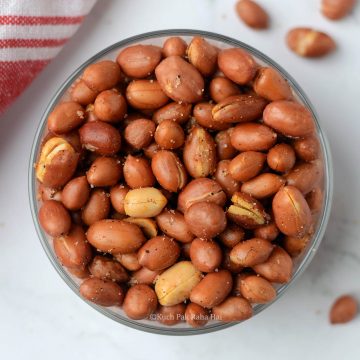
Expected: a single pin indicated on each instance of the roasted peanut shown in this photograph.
(205, 255)
(110, 106)
(169, 170)
(224, 178)
(251, 252)
(239, 108)
(246, 165)
(212, 289)
(281, 157)
(289, 118)
(104, 171)
(308, 42)
(202, 55)
(137, 172)
(180, 80)
(75, 193)
(96, 208)
(291, 212)
(169, 135)
(246, 211)
(256, 289)
(66, 117)
(54, 218)
(224, 149)
(174, 46)
(336, 9)
(252, 14)
(139, 133)
(178, 112)
(202, 189)
(139, 61)
(205, 219)
(221, 88)
(237, 65)
(199, 153)
(107, 269)
(115, 236)
(263, 185)
(344, 309)
(233, 309)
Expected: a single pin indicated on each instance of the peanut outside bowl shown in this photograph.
(157, 38)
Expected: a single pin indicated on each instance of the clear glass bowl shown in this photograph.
(157, 38)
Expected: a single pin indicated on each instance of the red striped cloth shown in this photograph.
(32, 32)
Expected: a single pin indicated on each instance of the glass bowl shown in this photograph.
(157, 38)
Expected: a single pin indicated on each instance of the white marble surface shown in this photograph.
(39, 315)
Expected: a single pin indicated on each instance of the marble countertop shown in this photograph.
(39, 315)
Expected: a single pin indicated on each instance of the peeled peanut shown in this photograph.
(144, 202)
(102, 292)
(277, 268)
(115, 236)
(252, 14)
(237, 65)
(202, 189)
(180, 80)
(233, 309)
(251, 252)
(140, 301)
(159, 253)
(57, 163)
(257, 289)
(291, 212)
(212, 289)
(199, 153)
(174, 285)
(54, 218)
(336, 9)
(66, 117)
(289, 118)
(139, 61)
(308, 42)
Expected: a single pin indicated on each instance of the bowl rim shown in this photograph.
(328, 178)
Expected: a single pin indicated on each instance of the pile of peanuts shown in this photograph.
(304, 41)
(179, 182)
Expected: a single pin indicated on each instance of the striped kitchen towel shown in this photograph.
(32, 32)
